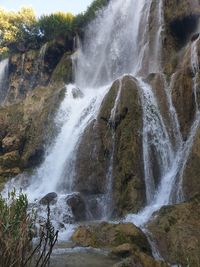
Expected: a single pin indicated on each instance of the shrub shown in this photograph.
(54, 25)
(17, 230)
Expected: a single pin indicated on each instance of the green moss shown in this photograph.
(63, 71)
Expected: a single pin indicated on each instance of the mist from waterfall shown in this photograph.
(118, 42)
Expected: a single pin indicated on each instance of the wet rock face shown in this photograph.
(183, 99)
(96, 148)
(182, 91)
(25, 128)
(37, 68)
(191, 184)
(35, 89)
(78, 207)
(176, 230)
(181, 22)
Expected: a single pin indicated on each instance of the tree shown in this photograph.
(54, 25)
(16, 28)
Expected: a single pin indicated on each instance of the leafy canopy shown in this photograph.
(20, 31)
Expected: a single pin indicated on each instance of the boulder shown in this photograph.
(77, 93)
(126, 241)
(49, 199)
(176, 231)
(107, 235)
(78, 207)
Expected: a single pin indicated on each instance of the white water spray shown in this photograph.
(107, 203)
(3, 77)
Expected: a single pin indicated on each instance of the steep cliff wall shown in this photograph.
(36, 86)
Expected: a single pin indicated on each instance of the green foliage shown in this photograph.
(54, 25)
(20, 31)
(82, 20)
(16, 28)
(17, 229)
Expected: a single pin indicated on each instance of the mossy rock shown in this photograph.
(111, 236)
(96, 145)
(25, 128)
(176, 230)
(63, 71)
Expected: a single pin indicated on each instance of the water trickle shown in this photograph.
(38, 66)
(3, 78)
(107, 202)
(195, 70)
(155, 136)
(173, 162)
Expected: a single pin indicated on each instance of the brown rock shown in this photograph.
(10, 143)
(123, 250)
(106, 235)
(176, 230)
(78, 207)
(27, 125)
(191, 184)
(10, 160)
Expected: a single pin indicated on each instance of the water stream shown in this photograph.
(3, 78)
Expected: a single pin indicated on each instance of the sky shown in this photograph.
(47, 6)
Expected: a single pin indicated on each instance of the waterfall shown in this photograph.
(154, 134)
(3, 78)
(173, 161)
(118, 41)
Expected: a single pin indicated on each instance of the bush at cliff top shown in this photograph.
(21, 31)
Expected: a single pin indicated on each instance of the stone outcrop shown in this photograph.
(37, 68)
(24, 129)
(176, 230)
(126, 241)
(36, 85)
(181, 22)
(78, 207)
(182, 88)
(96, 148)
(191, 185)
(49, 199)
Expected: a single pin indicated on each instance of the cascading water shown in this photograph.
(154, 134)
(107, 203)
(3, 78)
(170, 187)
(117, 42)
